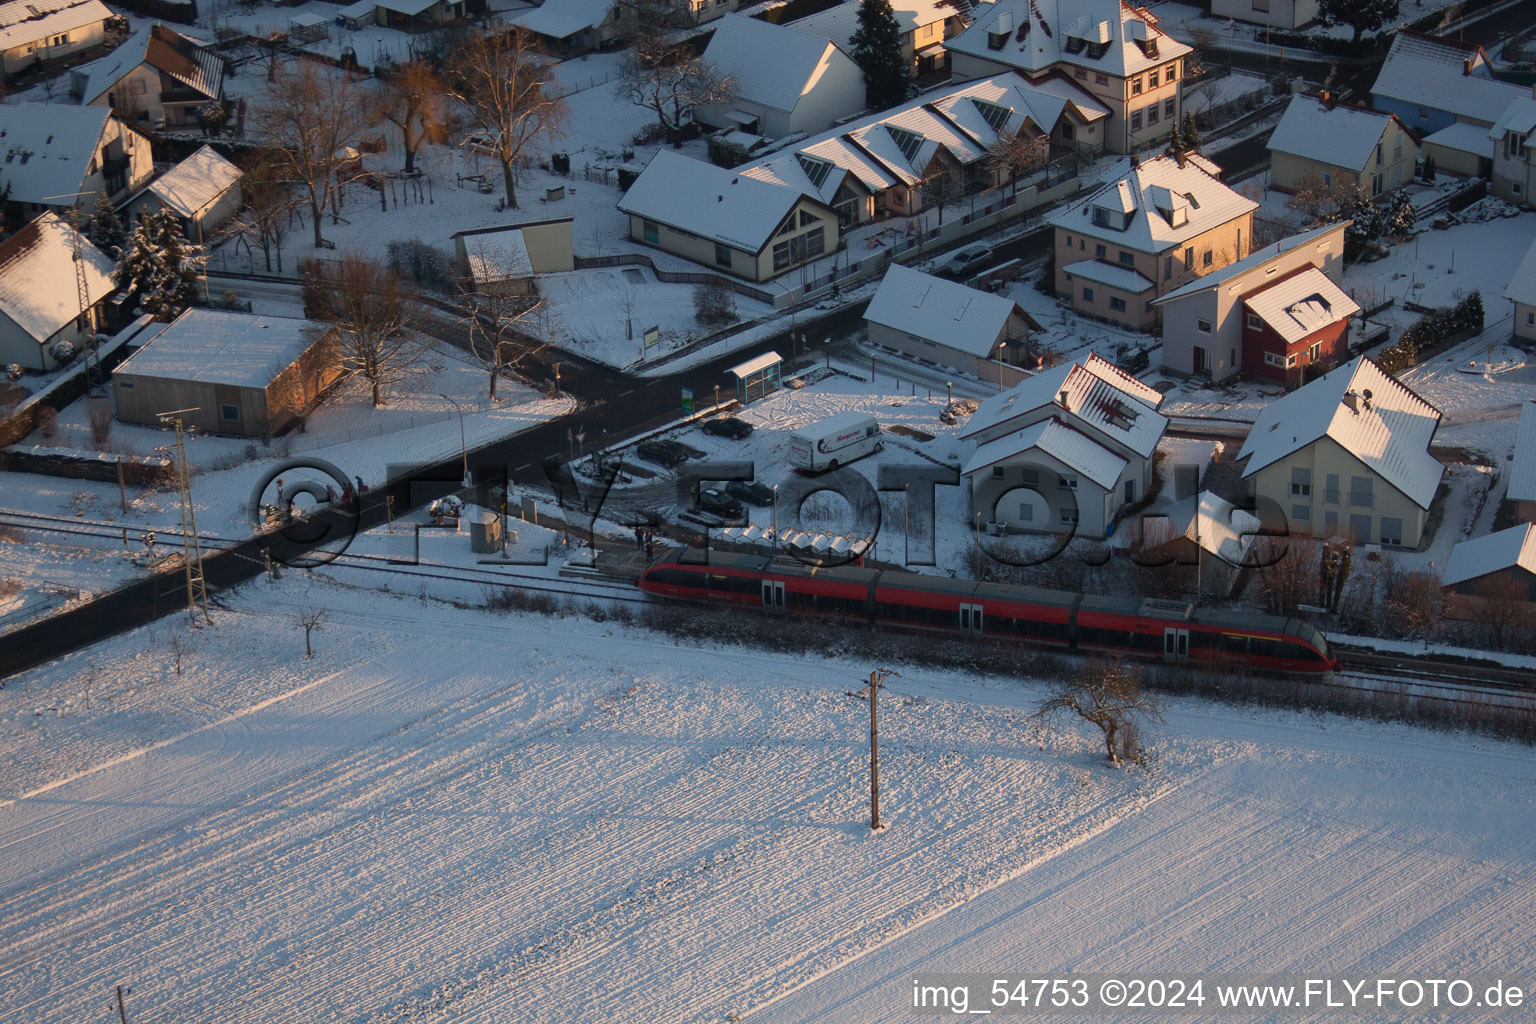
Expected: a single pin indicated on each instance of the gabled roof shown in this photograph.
(1301, 304)
(26, 21)
(773, 65)
(840, 21)
(1255, 259)
(1097, 392)
(717, 204)
(167, 51)
(1220, 527)
(1518, 117)
(1522, 473)
(1463, 137)
(1210, 204)
(46, 150)
(1522, 287)
(38, 288)
(1388, 430)
(946, 312)
(1072, 448)
(214, 346)
(558, 19)
(1507, 549)
(1035, 35)
(1442, 74)
(197, 181)
(1110, 274)
(1337, 134)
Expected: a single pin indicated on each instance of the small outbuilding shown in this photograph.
(757, 377)
(505, 260)
(948, 323)
(1206, 530)
(1522, 473)
(1499, 567)
(241, 374)
(203, 191)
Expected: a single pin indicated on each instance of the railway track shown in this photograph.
(1429, 670)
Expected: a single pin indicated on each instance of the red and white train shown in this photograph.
(1171, 631)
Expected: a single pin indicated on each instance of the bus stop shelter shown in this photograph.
(758, 377)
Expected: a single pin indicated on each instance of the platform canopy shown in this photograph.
(757, 377)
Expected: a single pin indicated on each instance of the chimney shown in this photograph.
(1352, 400)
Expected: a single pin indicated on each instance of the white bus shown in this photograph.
(834, 441)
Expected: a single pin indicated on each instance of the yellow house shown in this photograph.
(1162, 224)
(727, 221)
(1347, 456)
(1340, 145)
(32, 31)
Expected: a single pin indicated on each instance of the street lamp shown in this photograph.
(949, 394)
(775, 513)
(557, 380)
(463, 441)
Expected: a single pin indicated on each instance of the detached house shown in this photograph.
(1064, 450)
(726, 220)
(1522, 292)
(1432, 83)
(1163, 223)
(1514, 151)
(1347, 455)
(1205, 327)
(33, 31)
(39, 296)
(156, 78)
(53, 157)
(1114, 51)
(787, 81)
(581, 24)
(945, 322)
(1340, 145)
(924, 24)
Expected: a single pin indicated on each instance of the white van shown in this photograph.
(834, 441)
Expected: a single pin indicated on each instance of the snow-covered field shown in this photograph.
(450, 815)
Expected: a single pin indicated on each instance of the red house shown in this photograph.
(1297, 321)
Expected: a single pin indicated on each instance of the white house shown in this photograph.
(945, 322)
(1064, 449)
(1522, 292)
(39, 295)
(1356, 426)
(1275, 13)
(32, 31)
(1340, 144)
(1203, 321)
(57, 156)
(1514, 151)
(156, 77)
(203, 190)
(787, 81)
(1113, 50)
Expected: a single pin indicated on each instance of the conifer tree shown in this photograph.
(160, 265)
(106, 230)
(1189, 135)
(877, 50)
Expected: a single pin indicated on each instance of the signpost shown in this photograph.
(688, 401)
(652, 336)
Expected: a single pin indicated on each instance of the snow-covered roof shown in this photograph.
(1072, 448)
(26, 21)
(163, 49)
(1211, 204)
(1111, 274)
(946, 312)
(217, 347)
(1037, 34)
(1495, 552)
(1255, 259)
(558, 19)
(1365, 411)
(308, 20)
(1221, 528)
(954, 117)
(1301, 304)
(837, 421)
(363, 9)
(1336, 134)
(38, 289)
(1518, 117)
(409, 8)
(1442, 74)
(839, 22)
(755, 365)
(773, 65)
(1522, 287)
(502, 258)
(1462, 137)
(1097, 392)
(47, 148)
(192, 185)
(1522, 473)
(717, 204)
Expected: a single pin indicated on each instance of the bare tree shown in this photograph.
(375, 313)
(268, 209)
(501, 80)
(629, 301)
(1415, 602)
(671, 79)
(176, 641)
(494, 320)
(1506, 609)
(413, 99)
(1108, 695)
(941, 189)
(714, 303)
(312, 115)
(1202, 38)
(309, 620)
(1287, 572)
(1013, 156)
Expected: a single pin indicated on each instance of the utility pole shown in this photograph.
(877, 679)
(191, 548)
(122, 487)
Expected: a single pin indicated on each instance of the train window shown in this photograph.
(1261, 647)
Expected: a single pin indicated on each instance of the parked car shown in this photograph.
(1134, 361)
(728, 426)
(689, 451)
(663, 453)
(713, 499)
(967, 261)
(751, 492)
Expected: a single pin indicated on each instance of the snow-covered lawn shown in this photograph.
(452, 815)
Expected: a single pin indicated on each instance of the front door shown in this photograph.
(1202, 363)
(1175, 644)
